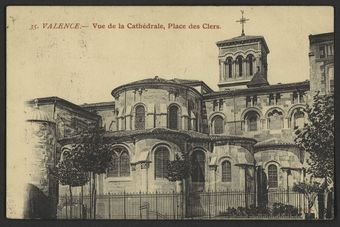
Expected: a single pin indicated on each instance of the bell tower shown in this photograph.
(240, 58)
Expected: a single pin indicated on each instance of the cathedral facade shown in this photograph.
(238, 138)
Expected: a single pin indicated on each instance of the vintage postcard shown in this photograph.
(170, 112)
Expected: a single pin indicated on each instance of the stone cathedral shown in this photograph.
(238, 138)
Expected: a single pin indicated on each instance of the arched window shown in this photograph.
(275, 119)
(140, 118)
(250, 59)
(162, 157)
(198, 166)
(299, 119)
(272, 176)
(218, 124)
(252, 119)
(120, 165)
(239, 62)
(228, 67)
(173, 117)
(226, 171)
(124, 164)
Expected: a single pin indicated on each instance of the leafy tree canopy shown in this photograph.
(179, 169)
(317, 137)
(67, 172)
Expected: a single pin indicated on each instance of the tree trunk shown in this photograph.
(71, 200)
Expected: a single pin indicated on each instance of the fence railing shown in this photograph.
(125, 206)
(173, 205)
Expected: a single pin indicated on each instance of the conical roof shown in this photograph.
(35, 114)
(258, 80)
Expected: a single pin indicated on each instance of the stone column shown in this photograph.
(144, 166)
(133, 118)
(233, 69)
(212, 176)
(285, 123)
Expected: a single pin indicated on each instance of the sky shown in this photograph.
(83, 66)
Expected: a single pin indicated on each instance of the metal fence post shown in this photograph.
(156, 207)
(173, 204)
(109, 205)
(140, 204)
(66, 206)
(182, 203)
(215, 203)
(80, 206)
(209, 203)
(124, 205)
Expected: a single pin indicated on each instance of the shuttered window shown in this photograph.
(140, 118)
(173, 117)
(124, 165)
(162, 157)
(272, 176)
(226, 171)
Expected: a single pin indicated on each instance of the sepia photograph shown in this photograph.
(170, 112)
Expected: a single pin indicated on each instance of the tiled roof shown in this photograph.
(262, 89)
(98, 104)
(321, 37)
(183, 134)
(182, 81)
(63, 102)
(160, 81)
(240, 38)
(243, 38)
(272, 142)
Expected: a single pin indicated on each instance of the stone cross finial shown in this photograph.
(242, 21)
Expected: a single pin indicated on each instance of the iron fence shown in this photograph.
(125, 206)
(173, 205)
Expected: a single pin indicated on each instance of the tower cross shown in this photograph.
(242, 21)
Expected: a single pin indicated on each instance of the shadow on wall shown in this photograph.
(37, 204)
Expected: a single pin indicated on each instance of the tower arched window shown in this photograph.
(252, 119)
(239, 62)
(191, 118)
(173, 117)
(140, 118)
(120, 164)
(272, 176)
(275, 119)
(228, 67)
(162, 158)
(198, 166)
(250, 59)
(218, 124)
(226, 171)
(299, 119)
